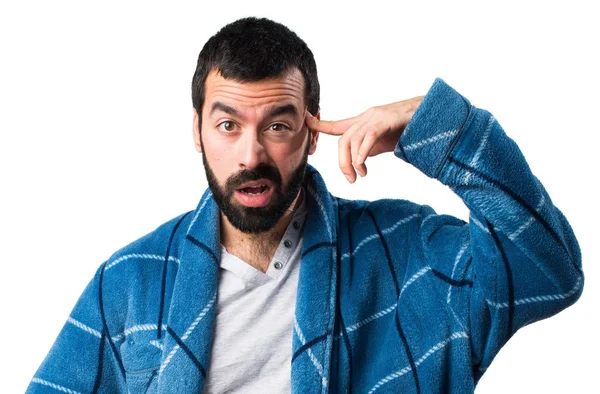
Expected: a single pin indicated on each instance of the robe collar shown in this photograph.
(191, 317)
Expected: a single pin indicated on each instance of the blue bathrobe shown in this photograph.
(392, 297)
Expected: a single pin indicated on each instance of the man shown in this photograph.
(272, 284)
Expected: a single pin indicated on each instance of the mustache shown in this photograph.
(262, 171)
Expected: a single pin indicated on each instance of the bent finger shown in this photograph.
(369, 140)
(345, 158)
(355, 144)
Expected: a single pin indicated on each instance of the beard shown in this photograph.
(255, 220)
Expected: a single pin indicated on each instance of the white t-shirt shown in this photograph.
(252, 345)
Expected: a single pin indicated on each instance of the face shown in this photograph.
(255, 146)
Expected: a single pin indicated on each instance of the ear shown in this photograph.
(196, 131)
(314, 136)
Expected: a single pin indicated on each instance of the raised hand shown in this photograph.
(375, 131)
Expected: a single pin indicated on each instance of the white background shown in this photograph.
(96, 144)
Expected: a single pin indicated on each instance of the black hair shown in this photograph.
(252, 49)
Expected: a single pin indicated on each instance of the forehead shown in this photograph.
(255, 96)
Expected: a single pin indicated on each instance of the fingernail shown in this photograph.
(348, 178)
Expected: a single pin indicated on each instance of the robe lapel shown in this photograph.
(317, 293)
(191, 317)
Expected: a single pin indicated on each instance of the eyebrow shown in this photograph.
(219, 106)
(288, 109)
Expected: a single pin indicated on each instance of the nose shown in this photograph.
(252, 151)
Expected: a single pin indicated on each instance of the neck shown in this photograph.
(257, 249)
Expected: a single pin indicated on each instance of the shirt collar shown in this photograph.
(291, 240)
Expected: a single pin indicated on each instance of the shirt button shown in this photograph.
(278, 265)
(296, 225)
(287, 243)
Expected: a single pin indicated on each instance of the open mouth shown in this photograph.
(255, 190)
(255, 194)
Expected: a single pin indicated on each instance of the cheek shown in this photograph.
(287, 158)
(216, 159)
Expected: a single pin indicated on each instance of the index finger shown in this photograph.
(329, 127)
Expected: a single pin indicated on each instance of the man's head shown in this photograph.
(253, 84)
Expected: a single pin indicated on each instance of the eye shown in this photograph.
(279, 127)
(228, 126)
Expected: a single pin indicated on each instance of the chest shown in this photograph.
(258, 256)
(254, 327)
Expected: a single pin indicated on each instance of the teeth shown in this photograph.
(256, 194)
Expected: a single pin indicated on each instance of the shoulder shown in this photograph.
(384, 212)
(131, 279)
(167, 236)
(134, 270)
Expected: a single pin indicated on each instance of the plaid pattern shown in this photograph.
(392, 297)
